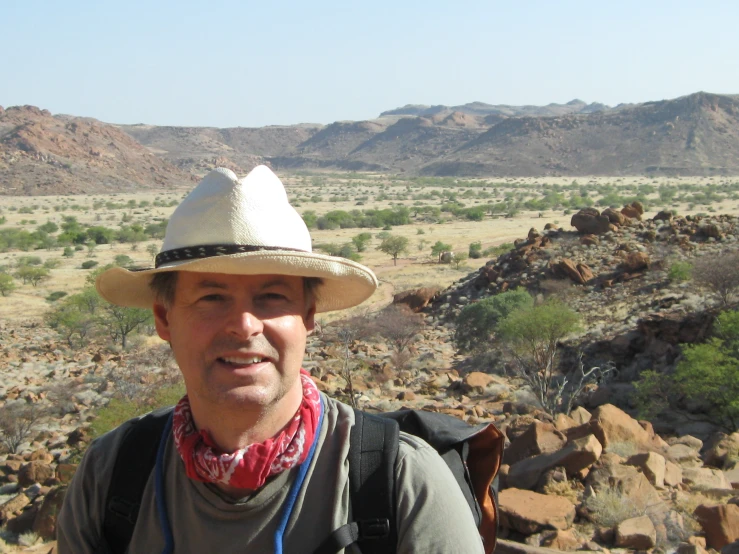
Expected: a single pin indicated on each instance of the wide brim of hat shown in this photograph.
(345, 283)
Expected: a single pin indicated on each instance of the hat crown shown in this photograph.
(253, 211)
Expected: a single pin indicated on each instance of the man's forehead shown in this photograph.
(225, 280)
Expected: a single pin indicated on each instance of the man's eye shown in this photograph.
(274, 296)
(212, 298)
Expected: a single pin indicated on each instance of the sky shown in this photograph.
(250, 64)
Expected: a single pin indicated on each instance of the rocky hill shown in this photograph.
(692, 135)
(43, 154)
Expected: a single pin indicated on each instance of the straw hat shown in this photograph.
(243, 227)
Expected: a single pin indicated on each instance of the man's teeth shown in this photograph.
(250, 360)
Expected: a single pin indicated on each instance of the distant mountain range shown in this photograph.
(692, 135)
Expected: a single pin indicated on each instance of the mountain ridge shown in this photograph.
(696, 135)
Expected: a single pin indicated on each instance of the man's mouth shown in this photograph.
(242, 360)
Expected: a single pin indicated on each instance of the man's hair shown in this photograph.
(164, 285)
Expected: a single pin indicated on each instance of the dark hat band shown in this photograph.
(210, 251)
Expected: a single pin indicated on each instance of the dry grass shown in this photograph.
(415, 269)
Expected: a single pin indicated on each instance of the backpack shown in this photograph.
(473, 453)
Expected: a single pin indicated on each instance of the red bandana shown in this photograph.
(249, 467)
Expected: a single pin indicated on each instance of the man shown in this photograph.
(256, 459)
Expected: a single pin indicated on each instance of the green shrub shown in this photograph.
(680, 271)
(56, 295)
(475, 250)
(89, 264)
(477, 322)
(609, 506)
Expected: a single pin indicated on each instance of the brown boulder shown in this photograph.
(586, 273)
(477, 381)
(637, 533)
(539, 438)
(612, 425)
(663, 215)
(635, 261)
(617, 218)
(34, 472)
(13, 506)
(417, 299)
(562, 540)
(720, 524)
(589, 240)
(633, 210)
(652, 465)
(45, 522)
(529, 512)
(567, 268)
(590, 222)
(576, 456)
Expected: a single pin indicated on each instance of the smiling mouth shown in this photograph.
(242, 361)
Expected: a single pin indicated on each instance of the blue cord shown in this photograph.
(159, 482)
(292, 496)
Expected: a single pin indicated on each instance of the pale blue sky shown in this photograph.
(249, 63)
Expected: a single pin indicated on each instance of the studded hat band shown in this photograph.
(210, 251)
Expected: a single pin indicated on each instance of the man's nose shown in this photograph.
(243, 322)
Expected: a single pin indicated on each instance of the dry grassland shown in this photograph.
(337, 192)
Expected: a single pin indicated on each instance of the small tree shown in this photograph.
(475, 250)
(394, 246)
(532, 336)
(719, 274)
(459, 259)
(439, 248)
(361, 240)
(32, 274)
(120, 321)
(709, 372)
(153, 250)
(7, 285)
(343, 333)
(73, 318)
(399, 325)
(17, 422)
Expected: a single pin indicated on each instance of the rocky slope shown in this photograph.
(43, 154)
(594, 480)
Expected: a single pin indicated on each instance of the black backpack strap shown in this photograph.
(372, 453)
(133, 466)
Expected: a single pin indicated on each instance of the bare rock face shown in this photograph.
(637, 533)
(720, 524)
(652, 465)
(539, 438)
(612, 425)
(562, 540)
(529, 512)
(590, 222)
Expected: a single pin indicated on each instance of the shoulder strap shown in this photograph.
(133, 466)
(372, 453)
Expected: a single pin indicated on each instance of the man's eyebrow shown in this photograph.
(205, 284)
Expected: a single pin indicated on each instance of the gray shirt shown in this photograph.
(432, 515)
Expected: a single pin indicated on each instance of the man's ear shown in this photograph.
(310, 318)
(161, 321)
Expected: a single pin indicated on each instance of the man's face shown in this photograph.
(239, 340)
